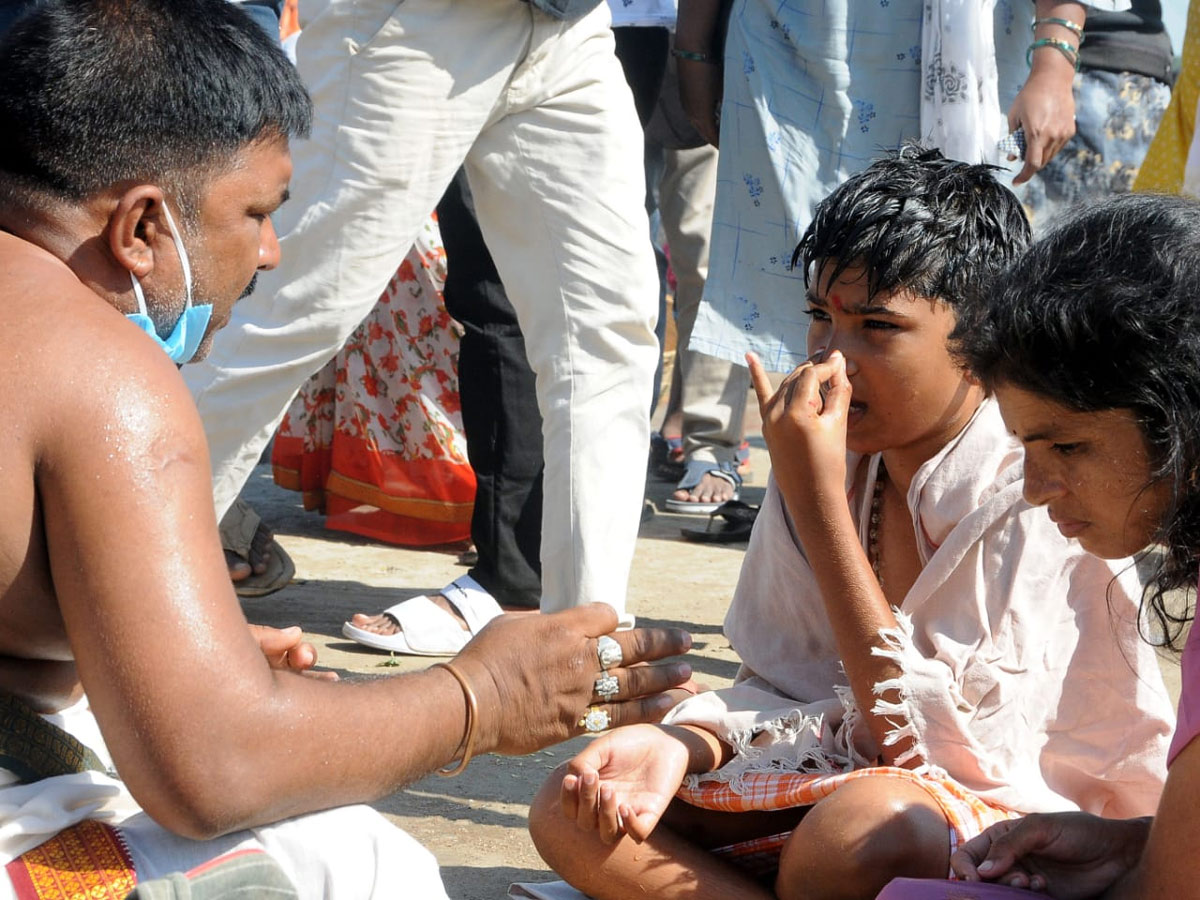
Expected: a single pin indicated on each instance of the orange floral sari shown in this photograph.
(375, 438)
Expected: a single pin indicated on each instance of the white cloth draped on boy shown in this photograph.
(1021, 682)
(81, 833)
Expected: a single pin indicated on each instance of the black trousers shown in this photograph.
(499, 408)
(643, 54)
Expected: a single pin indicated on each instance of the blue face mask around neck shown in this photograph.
(183, 341)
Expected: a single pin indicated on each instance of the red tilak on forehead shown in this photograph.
(836, 300)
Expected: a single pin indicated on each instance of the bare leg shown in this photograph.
(858, 839)
(665, 866)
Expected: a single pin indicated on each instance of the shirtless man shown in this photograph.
(146, 147)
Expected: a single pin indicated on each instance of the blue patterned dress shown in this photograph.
(814, 91)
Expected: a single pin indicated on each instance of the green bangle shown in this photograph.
(1065, 23)
(1070, 52)
(693, 56)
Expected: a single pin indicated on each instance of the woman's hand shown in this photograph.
(622, 782)
(804, 424)
(1045, 109)
(1069, 855)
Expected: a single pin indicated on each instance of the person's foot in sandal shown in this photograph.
(438, 624)
(257, 565)
(385, 624)
(704, 487)
(257, 558)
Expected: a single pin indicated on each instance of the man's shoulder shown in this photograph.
(40, 292)
(64, 349)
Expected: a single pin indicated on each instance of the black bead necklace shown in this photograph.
(873, 526)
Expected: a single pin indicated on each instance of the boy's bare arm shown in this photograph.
(805, 431)
(207, 736)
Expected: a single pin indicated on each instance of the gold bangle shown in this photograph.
(468, 740)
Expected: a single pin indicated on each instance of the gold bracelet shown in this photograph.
(468, 740)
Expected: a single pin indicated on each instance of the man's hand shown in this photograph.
(804, 425)
(535, 676)
(1067, 855)
(622, 782)
(285, 648)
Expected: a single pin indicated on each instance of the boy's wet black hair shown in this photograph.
(97, 93)
(916, 221)
(1104, 313)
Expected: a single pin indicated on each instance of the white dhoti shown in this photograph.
(339, 854)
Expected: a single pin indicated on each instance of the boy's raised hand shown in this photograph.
(622, 782)
(804, 425)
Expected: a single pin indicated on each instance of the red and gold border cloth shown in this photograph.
(88, 861)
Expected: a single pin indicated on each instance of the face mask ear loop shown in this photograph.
(137, 292)
(183, 257)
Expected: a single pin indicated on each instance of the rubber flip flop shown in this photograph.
(738, 523)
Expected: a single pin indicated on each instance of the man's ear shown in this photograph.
(135, 228)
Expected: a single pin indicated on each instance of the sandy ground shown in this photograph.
(476, 823)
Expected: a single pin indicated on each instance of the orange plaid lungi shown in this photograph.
(966, 814)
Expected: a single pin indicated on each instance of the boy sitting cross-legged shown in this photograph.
(922, 651)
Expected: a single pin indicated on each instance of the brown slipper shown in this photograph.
(238, 528)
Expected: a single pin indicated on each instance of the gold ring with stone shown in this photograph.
(596, 720)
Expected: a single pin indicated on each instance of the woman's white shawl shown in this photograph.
(1023, 674)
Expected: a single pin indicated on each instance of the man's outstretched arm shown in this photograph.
(207, 736)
